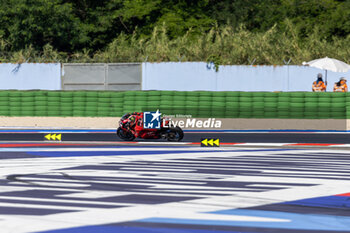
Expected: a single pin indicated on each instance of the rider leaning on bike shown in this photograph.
(131, 127)
(130, 120)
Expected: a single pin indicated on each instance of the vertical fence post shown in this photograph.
(287, 64)
(62, 76)
(106, 76)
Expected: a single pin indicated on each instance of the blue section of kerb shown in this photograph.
(130, 152)
(126, 229)
(339, 202)
(290, 221)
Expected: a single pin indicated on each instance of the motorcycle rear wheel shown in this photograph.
(175, 135)
(126, 136)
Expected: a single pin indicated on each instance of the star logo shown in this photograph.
(156, 115)
(151, 120)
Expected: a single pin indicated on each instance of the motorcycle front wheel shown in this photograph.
(126, 136)
(175, 134)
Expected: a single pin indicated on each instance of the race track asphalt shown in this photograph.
(115, 187)
(225, 137)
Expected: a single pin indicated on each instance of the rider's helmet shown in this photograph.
(125, 116)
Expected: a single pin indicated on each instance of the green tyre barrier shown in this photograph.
(79, 99)
(4, 112)
(78, 94)
(297, 94)
(17, 94)
(66, 94)
(117, 95)
(245, 99)
(284, 94)
(245, 94)
(4, 94)
(153, 98)
(245, 115)
(232, 94)
(27, 113)
(307, 105)
(258, 94)
(216, 114)
(14, 113)
(4, 99)
(270, 114)
(90, 113)
(40, 113)
(53, 94)
(231, 114)
(15, 99)
(219, 99)
(53, 113)
(219, 94)
(66, 113)
(15, 104)
(271, 94)
(232, 99)
(310, 95)
(205, 93)
(270, 99)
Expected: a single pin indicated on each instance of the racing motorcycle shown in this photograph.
(172, 134)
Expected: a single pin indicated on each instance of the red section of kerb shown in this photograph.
(343, 195)
(311, 144)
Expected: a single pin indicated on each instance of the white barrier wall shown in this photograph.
(189, 76)
(181, 76)
(28, 76)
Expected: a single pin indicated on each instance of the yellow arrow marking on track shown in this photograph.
(205, 142)
(217, 142)
(48, 137)
(57, 137)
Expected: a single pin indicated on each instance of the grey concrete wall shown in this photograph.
(100, 76)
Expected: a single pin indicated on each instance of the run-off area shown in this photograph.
(173, 189)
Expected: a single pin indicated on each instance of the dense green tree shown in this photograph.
(331, 17)
(39, 22)
(97, 21)
(80, 29)
(250, 13)
(178, 15)
(310, 14)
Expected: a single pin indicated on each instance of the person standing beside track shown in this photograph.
(319, 85)
(340, 86)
